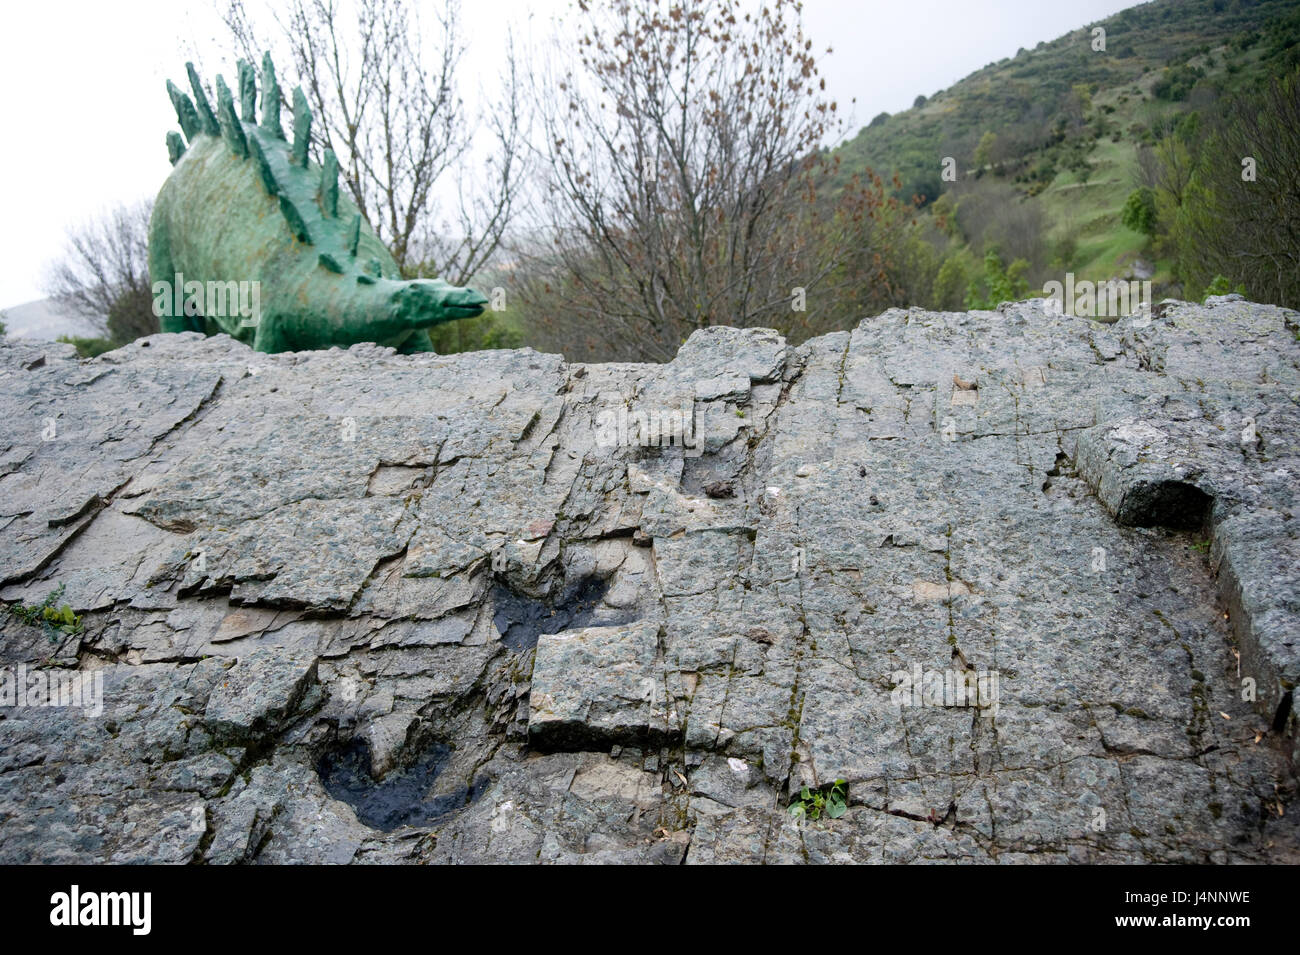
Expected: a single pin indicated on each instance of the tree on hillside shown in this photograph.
(1077, 105)
(686, 183)
(1240, 211)
(1146, 170)
(103, 274)
(383, 84)
(1139, 213)
(1177, 153)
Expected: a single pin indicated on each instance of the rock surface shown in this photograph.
(350, 606)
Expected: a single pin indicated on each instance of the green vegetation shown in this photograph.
(832, 799)
(49, 615)
(90, 347)
(490, 330)
(1219, 285)
(1111, 154)
(1230, 215)
(1140, 211)
(999, 284)
(1111, 164)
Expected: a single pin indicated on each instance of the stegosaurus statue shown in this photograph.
(242, 204)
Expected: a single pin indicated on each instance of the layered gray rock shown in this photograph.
(1027, 583)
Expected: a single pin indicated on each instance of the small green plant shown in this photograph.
(833, 800)
(87, 347)
(1221, 285)
(1201, 547)
(49, 615)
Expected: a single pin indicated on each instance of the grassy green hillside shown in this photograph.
(1050, 143)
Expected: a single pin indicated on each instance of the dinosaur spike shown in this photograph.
(329, 184)
(270, 98)
(231, 131)
(175, 147)
(297, 225)
(184, 111)
(263, 167)
(301, 127)
(208, 118)
(354, 236)
(247, 92)
(328, 261)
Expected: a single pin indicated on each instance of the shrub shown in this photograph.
(1000, 284)
(950, 284)
(1064, 250)
(1177, 82)
(88, 347)
(1220, 285)
(488, 331)
(1140, 211)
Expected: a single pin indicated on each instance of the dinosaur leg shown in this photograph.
(176, 323)
(416, 343)
(170, 318)
(267, 338)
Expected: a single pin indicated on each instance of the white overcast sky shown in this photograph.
(85, 111)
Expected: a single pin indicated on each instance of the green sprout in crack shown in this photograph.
(49, 615)
(833, 800)
(1201, 547)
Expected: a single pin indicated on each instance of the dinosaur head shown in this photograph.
(421, 303)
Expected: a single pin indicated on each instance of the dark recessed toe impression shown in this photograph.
(521, 619)
(403, 797)
(1176, 505)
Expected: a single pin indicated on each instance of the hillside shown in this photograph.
(1049, 143)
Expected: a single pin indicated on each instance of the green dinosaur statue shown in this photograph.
(244, 207)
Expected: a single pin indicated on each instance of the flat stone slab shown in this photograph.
(1028, 584)
(598, 687)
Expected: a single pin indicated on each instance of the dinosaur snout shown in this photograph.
(426, 302)
(466, 298)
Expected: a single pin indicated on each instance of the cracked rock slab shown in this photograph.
(328, 587)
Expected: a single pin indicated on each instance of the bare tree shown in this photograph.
(681, 144)
(995, 214)
(104, 273)
(1146, 170)
(389, 105)
(1177, 166)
